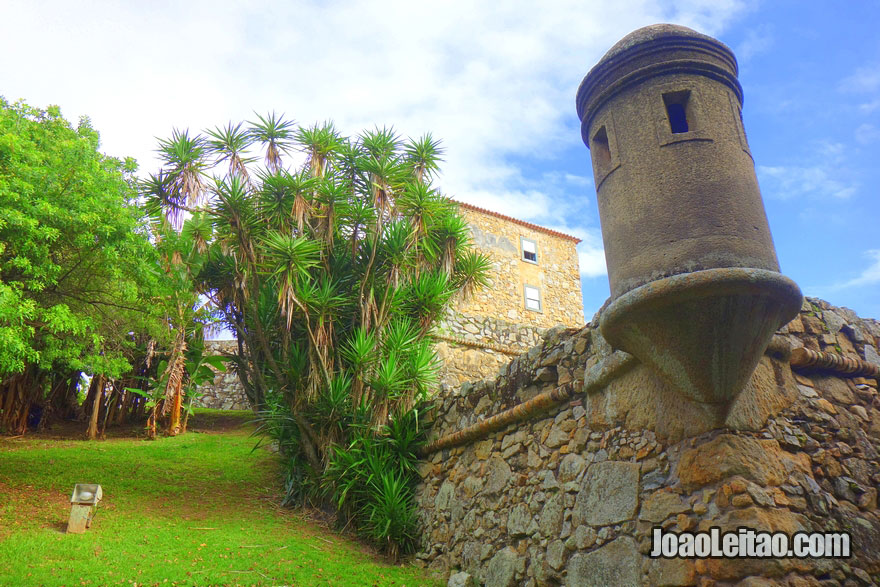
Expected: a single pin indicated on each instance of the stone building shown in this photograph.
(535, 277)
(534, 285)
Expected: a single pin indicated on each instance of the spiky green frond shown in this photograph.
(275, 134)
(423, 368)
(199, 230)
(399, 336)
(389, 379)
(472, 271)
(185, 158)
(359, 350)
(230, 143)
(423, 156)
(381, 143)
(291, 257)
(320, 142)
(427, 296)
(449, 235)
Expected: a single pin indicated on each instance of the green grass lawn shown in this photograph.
(198, 509)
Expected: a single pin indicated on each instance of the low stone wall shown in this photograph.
(225, 392)
(571, 495)
(473, 347)
(468, 347)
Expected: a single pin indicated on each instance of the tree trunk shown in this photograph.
(112, 401)
(151, 423)
(184, 422)
(92, 433)
(124, 407)
(174, 427)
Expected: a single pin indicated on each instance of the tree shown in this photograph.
(78, 278)
(332, 274)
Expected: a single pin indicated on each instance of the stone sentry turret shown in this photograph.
(696, 292)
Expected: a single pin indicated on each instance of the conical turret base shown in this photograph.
(704, 332)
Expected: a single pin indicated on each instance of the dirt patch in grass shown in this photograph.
(221, 421)
(33, 507)
(75, 430)
(204, 420)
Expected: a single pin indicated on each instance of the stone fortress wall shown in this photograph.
(473, 347)
(225, 392)
(570, 494)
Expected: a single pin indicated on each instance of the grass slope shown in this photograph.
(198, 509)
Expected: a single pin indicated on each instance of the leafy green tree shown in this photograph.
(78, 275)
(331, 273)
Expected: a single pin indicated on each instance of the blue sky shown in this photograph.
(496, 81)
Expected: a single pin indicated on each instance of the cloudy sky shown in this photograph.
(496, 81)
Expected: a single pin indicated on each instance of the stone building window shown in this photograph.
(533, 298)
(529, 250)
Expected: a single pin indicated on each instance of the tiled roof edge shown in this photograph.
(518, 221)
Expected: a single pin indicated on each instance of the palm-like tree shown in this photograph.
(331, 275)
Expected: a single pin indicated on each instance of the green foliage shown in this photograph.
(372, 480)
(332, 275)
(77, 273)
(189, 510)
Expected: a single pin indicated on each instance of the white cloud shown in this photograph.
(578, 180)
(871, 274)
(864, 79)
(757, 41)
(827, 176)
(869, 107)
(784, 182)
(490, 78)
(867, 133)
(832, 152)
(592, 261)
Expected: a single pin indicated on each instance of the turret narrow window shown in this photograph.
(604, 150)
(677, 111)
(601, 150)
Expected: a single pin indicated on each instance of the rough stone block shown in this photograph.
(501, 570)
(518, 521)
(672, 572)
(550, 523)
(444, 496)
(497, 475)
(570, 467)
(616, 563)
(609, 494)
(660, 505)
(762, 461)
(461, 579)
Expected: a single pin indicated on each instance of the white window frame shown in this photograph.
(526, 300)
(522, 249)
